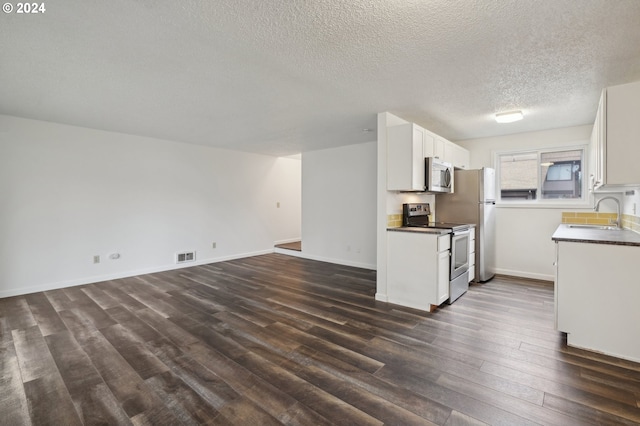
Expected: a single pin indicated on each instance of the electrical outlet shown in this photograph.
(96, 258)
(278, 204)
(213, 245)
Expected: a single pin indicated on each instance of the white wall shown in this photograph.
(70, 193)
(339, 205)
(523, 235)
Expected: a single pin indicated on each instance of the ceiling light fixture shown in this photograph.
(509, 117)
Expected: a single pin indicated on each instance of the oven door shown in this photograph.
(459, 253)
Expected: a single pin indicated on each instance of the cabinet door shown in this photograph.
(443, 276)
(597, 302)
(429, 146)
(461, 157)
(417, 160)
(455, 154)
(412, 269)
(405, 158)
(472, 254)
(593, 149)
(440, 150)
(622, 127)
(598, 140)
(555, 289)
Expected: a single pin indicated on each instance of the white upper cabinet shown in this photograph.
(407, 147)
(439, 148)
(457, 155)
(616, 138)
(594, 161)
(405, 157)
(430, 144)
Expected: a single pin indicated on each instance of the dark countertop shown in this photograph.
(623, 237)
(437, 231)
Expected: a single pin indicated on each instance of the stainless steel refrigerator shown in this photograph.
(474, 201)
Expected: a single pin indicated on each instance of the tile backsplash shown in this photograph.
(631, 222)
(589, 218)
(595, 218)
(394, 220)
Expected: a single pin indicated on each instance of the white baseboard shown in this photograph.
(162, 268)
(523, 274)
(294, 253)
(325, 259)
(287, 241)
(125, 274)
(381, 297)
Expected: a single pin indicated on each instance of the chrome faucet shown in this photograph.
(617, 204)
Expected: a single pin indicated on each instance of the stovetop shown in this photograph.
(416, 215)
(440, 225)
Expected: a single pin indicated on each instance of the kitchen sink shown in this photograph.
(602, 227)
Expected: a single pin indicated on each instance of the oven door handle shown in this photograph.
(461, 232)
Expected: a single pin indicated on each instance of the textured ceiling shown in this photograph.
(286, 76)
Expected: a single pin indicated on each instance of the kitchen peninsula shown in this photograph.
(423, 270)
(597, 301)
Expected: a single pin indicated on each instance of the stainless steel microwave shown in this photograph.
(438, 175)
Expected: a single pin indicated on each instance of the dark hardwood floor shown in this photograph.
(277, 339)
(295, 246)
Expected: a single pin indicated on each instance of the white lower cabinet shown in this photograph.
(418, 269)
(597, 292)
(472, 254)
(443, 277)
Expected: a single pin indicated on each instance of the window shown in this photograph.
(538, 176)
